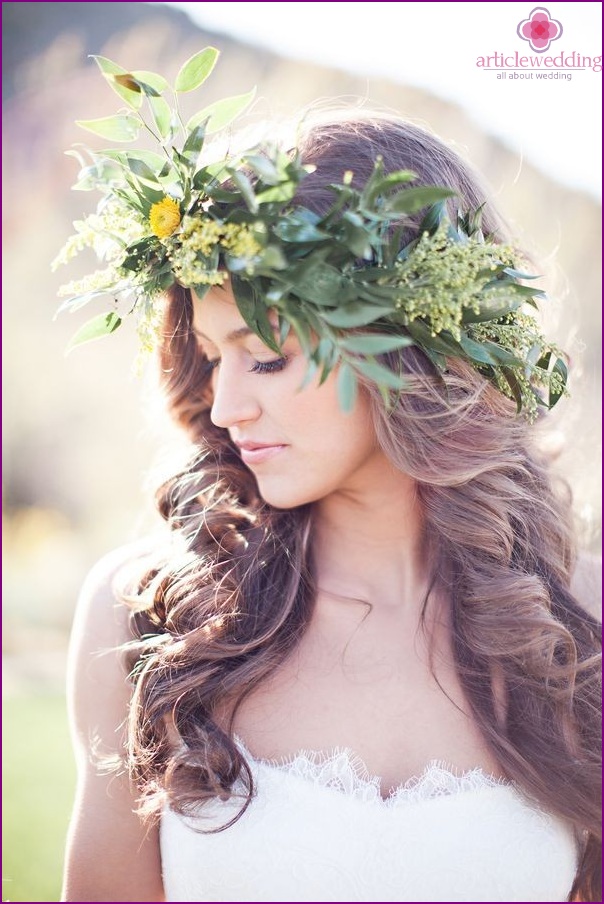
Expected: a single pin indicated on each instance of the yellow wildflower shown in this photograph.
(164, 217)
(239, 240)
(200, 234)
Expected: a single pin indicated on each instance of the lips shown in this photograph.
(256, 453)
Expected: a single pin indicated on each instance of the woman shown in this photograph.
(360, 674)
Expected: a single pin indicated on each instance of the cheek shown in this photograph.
(312, 410)
(328, 450)
(318, 424)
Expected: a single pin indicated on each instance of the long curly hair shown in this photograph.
(220, 615)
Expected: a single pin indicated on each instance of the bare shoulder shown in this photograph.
(99, 605)
(97, 674)
(111, 854)
(99, 616)
(586, 583)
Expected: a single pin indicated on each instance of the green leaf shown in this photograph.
(434, 216)
(123, 127)
(325, 356)
(78, 301)
(538, 357)
(413, 199)
(370, 344)
(470, 224)
(561, 369)
(518, 274)
(77, 156)
(222, 112)
(313, 280)
(344, 195)
(155, 162)
(354, 314)
(146, 194)
(140, 169)
(245, 187)
(278, 193)
(132, 198)
(441, 343)
(162, 115)
(439, 361)
(107, 67)
(99, 326)
(214, 191)
(526, 292)
(101, 170)
(201, 291)
(511, 380)
(86, 183)
(309, 376)
(502, 355)
(271, 258)
(477, 351)
(132, 95)
(128, 81)
(347, 387)
(264, 168)
(155, 81)
(301, 327)
(490, 309)
(379, 374)
(194, 143)
(254, 312)
(298, 230)
(355, 235)
(196, 70)
(377, 186)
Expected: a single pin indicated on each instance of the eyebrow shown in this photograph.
(240, 333)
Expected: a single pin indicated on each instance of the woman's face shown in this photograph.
(298, 443)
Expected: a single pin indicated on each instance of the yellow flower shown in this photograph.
(239, 240)
(164, 217)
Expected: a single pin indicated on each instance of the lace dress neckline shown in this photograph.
(342, 770)
(318, 829)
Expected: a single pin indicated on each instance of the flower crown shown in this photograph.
(340, 280)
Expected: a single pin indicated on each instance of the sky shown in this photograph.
(555, 122)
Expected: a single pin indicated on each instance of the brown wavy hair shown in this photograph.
(223, 613)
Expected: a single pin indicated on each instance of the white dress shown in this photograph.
(319, 830)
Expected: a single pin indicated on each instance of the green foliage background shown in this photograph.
(38, 789)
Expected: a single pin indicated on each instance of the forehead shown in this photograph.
(216, 318)
(216, 315)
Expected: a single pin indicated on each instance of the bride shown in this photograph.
(360, 671)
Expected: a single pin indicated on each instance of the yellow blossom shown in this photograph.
(239, 240)
(164, 217)
(199, 234)
(98, 281)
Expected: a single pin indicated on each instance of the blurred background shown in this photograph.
(82, 438)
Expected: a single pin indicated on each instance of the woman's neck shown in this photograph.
(370, 545)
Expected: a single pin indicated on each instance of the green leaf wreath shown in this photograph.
(341, 280)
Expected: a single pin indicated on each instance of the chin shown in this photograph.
(283, 500)
(286, 497)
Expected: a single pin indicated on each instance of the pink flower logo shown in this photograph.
(539, 29)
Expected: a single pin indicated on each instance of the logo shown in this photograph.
(539, 29)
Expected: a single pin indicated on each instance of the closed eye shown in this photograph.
(268, 367)
(258, 367)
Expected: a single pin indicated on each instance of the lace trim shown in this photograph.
(344, 771)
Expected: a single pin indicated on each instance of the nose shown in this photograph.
(234, 401)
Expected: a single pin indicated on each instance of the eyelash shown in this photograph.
(268, 367)
(258, 367)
